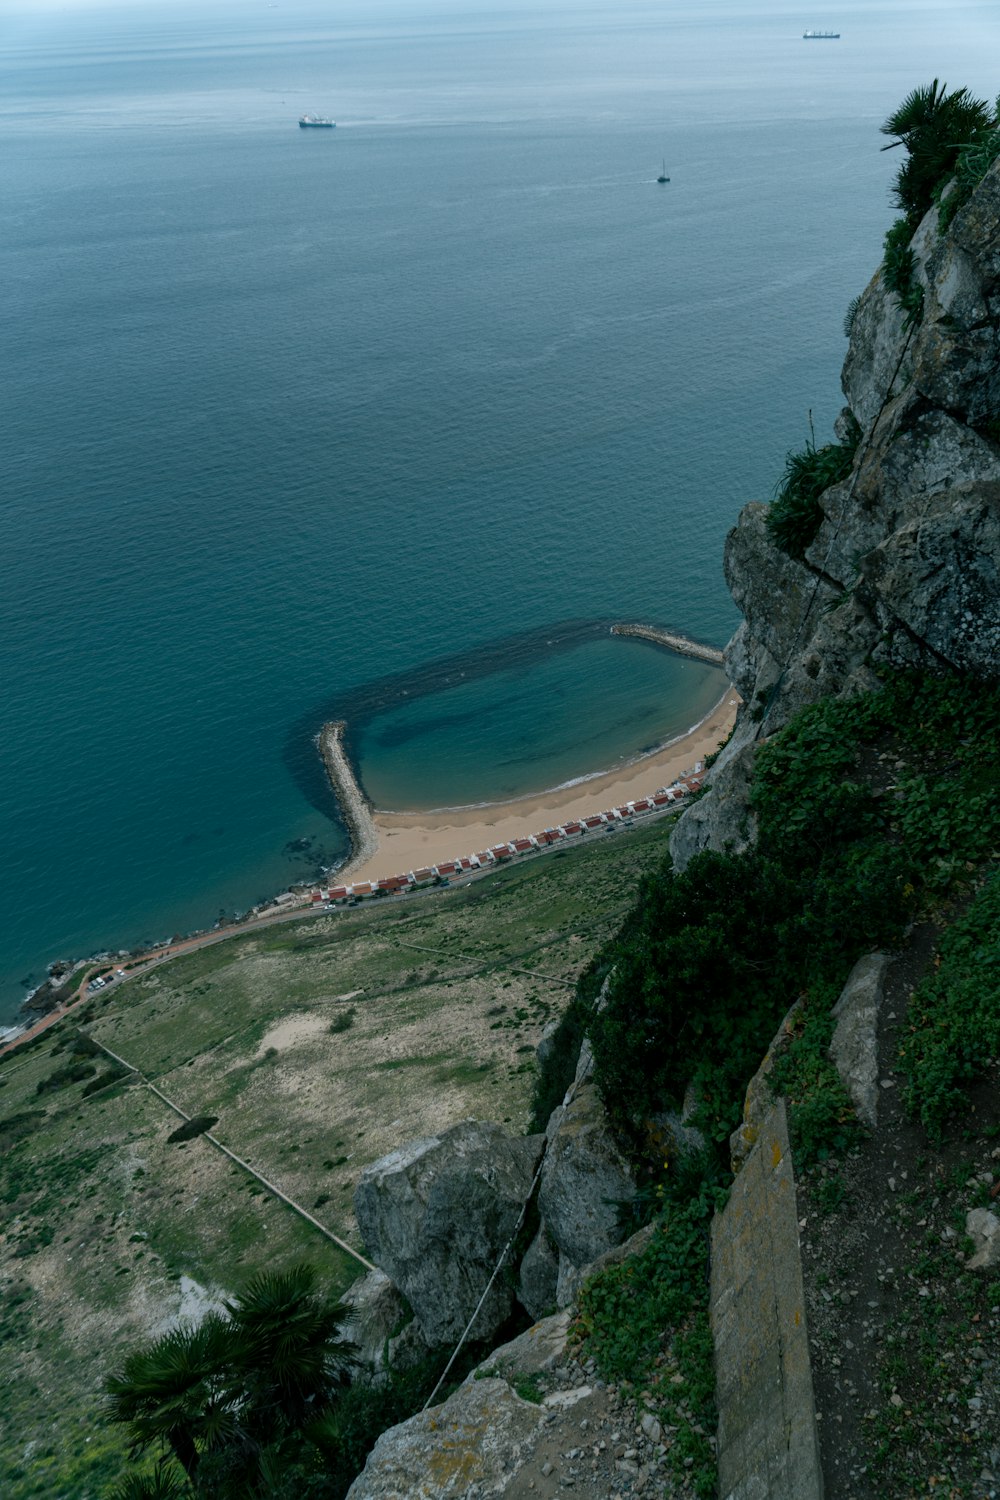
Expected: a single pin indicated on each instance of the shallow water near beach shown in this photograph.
(289, 413)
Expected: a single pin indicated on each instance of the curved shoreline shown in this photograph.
(410, 840)
(561, 787)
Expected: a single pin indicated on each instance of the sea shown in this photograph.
(390, 422)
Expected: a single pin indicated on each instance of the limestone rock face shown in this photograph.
(436, 1214)
(904, 570)
(538, 1276)
(541, 1347)
(583, 1178)
(854, 1045)
(470, 1446)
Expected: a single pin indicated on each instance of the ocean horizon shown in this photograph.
(389, 422)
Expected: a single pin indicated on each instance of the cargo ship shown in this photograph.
(821, 36)
(315, 122)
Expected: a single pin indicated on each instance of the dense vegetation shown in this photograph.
(256, 1401)
(867, 811)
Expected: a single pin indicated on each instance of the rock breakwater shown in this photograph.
(354, 806)
(679, 643)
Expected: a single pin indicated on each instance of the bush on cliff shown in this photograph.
(868, 811)
(795, 514)
(934, 127)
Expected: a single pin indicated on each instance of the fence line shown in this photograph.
(214, 1141)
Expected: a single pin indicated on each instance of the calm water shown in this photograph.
(289, 414)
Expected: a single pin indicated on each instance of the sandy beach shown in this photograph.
(408, 840)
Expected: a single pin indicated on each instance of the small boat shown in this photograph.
(663, 172)
(315, 122)
(821, 36)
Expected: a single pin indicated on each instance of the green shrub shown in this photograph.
(16, 1127)
(192, 1128)
(63, 1077)
(974, 161)
(953, 1029)
(822, 1117)
(795, 514)
(935, 128)
(656, 1302)
(710, 960)
(555, 1073)
(344, 1021)
(850, 315)
(899, 269)
(111, 1075)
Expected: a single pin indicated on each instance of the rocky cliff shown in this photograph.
(901, 569)
(904, 569)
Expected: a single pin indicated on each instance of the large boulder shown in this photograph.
(854, 1045)
(436, 1214)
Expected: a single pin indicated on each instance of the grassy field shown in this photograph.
(319, 1045)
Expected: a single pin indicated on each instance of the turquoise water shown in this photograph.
(540, 725)
(291, 414)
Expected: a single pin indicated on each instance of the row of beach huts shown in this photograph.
(498, 854)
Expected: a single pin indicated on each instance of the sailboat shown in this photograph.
(663, 172)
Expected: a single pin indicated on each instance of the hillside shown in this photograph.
(109, 1231)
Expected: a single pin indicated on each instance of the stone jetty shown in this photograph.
(354, 807)
(678, 643)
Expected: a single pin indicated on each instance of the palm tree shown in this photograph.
(177, 1392)
(288, 1354)
(161, 1484)
(934, 126)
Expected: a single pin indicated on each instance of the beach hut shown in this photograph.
(338, 893)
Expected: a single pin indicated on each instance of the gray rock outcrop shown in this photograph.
(854, 1045)
(381, 1326)
(470, 1446)
(538, 1276)
(585, 1178)
(905, 567)
(435, 1216)
(983, 1228)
